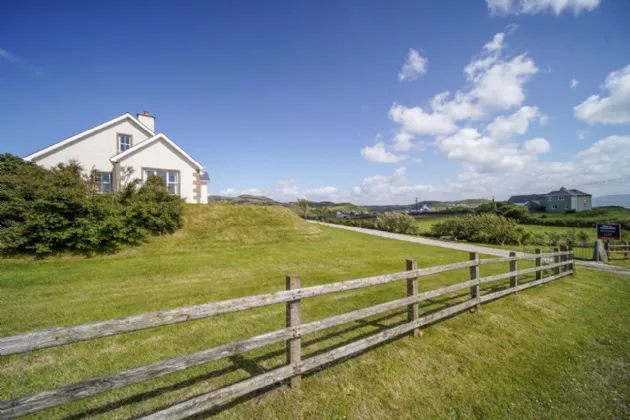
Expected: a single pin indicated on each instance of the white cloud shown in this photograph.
(581, 134)
(512, 170)
(536, 146)
(382, 187)
(612, 109)
(506, 127)
(501, 85)
(496, 44)
(287, 189)
(414, 67)
(377, 153)
(531, 7)
(609, 149)
(416, 120)
(9, 56)
(496, 84)
(402, 142)
(485, 154)
(574, 83)
(229, 192)
(324, 193)
(510, 28)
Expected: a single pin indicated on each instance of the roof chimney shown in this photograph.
(147, 120)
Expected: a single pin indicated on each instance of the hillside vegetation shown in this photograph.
(244, 200)
(224, 225)
(555, 351)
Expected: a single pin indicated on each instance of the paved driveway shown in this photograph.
(591, 265)
(426, 241)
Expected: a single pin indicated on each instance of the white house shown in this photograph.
(127, 142)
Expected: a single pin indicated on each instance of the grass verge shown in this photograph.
(558, 350)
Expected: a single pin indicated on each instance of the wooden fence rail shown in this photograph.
(562, 266)
(619, 249)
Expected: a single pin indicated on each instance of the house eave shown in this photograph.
(160, 136)
(77, 137)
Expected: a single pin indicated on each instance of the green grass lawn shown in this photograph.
(598, 214)
(425, 224)
(560, 350)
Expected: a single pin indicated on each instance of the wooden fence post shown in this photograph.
(570, 258)
(564, 258)
(412, 290)
(538, 264)
(513, 279)
(556, 260)
(474, 275)
(294, 345)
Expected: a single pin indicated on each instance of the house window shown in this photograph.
(585, 204)
(550, 198)
(171, 178)
(103, 181)
(554, 207)
(566, 207)
(124, 142)
(561, 198)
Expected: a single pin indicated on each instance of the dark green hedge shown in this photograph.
(43, 211)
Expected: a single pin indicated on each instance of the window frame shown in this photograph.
(554, 207)
(561, 198)
(177, 184)
(99, 182)
(118, 143)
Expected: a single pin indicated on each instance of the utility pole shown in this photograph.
(416, 204)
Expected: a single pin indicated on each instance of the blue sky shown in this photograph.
(338, 100)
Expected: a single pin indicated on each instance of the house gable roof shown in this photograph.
(160, 136)
(524, 198)
(564, 191)
(86, 133)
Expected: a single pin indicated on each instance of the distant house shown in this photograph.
(532, 201)
(561, 200)
(558, 201)
(422, 209)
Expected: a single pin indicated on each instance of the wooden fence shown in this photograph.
(561, 266)
(619, 249)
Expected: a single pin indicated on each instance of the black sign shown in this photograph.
(609, 231)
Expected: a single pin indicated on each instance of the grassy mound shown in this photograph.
(225, 225)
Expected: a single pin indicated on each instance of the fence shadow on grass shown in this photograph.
(253, 366)
(350, 333)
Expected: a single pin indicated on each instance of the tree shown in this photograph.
(321, 213)
(303, 204)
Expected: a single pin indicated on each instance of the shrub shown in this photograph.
(554, 238)
(503, 208)
(483, 228)
(42, 211)
(397, 223)
(539, 239)
(570, 237)
(583, 238)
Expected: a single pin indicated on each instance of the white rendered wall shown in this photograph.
(159, 155)
(94, 150)
(204, 193)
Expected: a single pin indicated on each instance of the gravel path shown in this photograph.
(426, 241)
(591, 265)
